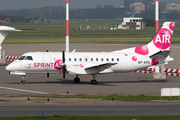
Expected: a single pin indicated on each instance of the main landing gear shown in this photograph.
(23, 80)
(93, 81)
(76, 79)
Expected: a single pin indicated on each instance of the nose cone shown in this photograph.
(9, 68)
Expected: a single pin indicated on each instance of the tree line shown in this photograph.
(59, 12)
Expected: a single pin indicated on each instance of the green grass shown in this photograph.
(176, 39)
(145, 98)
(64, 117)
(47, 29)
(75, 39)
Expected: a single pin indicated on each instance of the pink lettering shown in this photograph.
(35, 65)
(52, 64)
(38, 64)
(42, 64)
(47, 64)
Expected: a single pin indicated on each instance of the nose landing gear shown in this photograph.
(23, 80)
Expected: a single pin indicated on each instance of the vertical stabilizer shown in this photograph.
(162, 40)
(3, 33)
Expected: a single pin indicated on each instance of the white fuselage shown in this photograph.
(77, 62)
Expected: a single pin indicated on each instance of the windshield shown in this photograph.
(28, 58)
(22, 57)
(25, 58)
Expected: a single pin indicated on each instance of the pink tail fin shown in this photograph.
(162, 39)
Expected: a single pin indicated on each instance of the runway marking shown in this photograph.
(111, 44)
(23, 90)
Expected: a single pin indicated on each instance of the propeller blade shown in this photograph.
(63, 56)
(64, 69)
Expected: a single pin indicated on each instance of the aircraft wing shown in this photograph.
(78, 68)
(100, 67)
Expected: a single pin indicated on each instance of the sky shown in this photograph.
(74, 4)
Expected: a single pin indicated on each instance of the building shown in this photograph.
(169, 1)
(137, 7)
(132, 23)
(127, 3)
(172, 7)
(162, 7)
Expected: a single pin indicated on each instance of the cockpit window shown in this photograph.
(22, 58)
(28, 58)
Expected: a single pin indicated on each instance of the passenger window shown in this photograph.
(22, 57)
(91, 59)
(96, 59)
(86, 59)
(107, 59)
(102, 59)
(69, 59)
(28, 58)
(80, 59)
(112, 59)
(117, 59)
(74, 59)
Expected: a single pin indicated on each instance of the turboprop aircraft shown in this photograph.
(93, 63)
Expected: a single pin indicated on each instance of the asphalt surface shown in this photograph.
(109, 109)
(131, 83)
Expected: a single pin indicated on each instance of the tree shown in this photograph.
(108, 7)
(150, 22)
(42, 19)
(97, 6)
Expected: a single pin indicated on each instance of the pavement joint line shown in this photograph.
(175, 47)
(112, 45)
(15, 89)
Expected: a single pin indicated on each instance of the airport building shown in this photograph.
(132, 23)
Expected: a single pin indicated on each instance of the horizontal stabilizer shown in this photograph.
(7, 29)
(164, 54)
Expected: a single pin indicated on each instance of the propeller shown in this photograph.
(47, 73)
(64, 69)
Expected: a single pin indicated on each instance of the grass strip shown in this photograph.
(176, 39)
(64, 117)
(141, 97)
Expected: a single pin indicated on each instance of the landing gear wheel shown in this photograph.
(23, 82)
(93, 82)
(76, 80)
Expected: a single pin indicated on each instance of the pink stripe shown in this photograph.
(156, 0)
(67, 1)
(67, 27)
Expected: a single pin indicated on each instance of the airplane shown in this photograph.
(155, 53)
